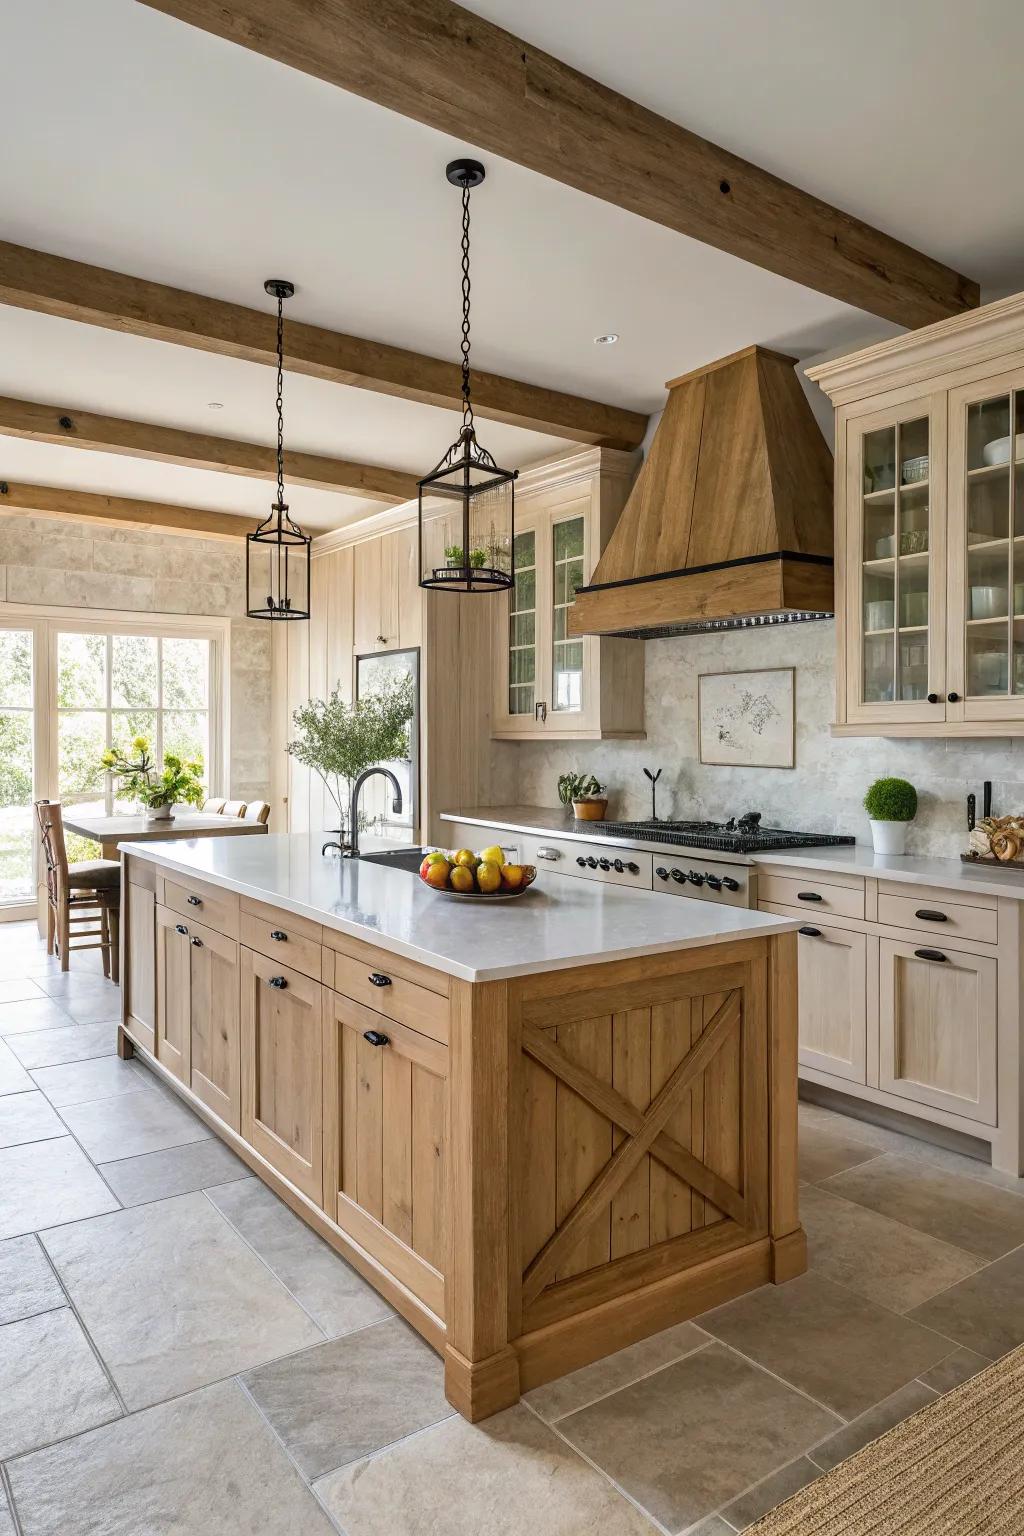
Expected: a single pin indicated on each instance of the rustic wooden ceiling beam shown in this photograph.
(53, 285)
(198, 450)
(55, 501)
(444, 66)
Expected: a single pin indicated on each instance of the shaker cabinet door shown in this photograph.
(215, 1068)
(282, 1077)
(832, 985)
(937, 1028)
(173, 988)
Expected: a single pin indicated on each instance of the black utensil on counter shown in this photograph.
(654, 777)
(971, 802)
(986, 798)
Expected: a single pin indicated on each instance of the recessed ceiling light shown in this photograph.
(606, 341)
(214, 405)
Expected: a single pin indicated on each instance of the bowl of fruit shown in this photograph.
(470, 876)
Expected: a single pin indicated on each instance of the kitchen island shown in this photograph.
(542, 1129)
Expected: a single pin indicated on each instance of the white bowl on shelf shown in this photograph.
(998, 450)
(914, 470)
(885, 548)
(988, 602)
(880, 614)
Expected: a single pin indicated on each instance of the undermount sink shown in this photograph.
(408, 859)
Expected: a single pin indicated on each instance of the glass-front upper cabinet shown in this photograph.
(986, 564)
(894, 568)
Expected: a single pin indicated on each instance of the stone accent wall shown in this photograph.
(822, 793)
(57, 562)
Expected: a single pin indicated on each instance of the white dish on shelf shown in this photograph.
(879, 614)
(988, 602)
(998, 450)
(913, 470)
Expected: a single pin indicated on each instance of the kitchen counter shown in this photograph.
(558, 924)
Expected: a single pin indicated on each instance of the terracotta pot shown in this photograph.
(592, 809)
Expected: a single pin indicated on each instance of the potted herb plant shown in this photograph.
(179, 782)
(454, 554)
(583, 792)
(337, 740)
(891, 804)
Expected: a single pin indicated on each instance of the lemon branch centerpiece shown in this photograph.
(179, 782)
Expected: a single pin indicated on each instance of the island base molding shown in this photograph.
(534, 1172)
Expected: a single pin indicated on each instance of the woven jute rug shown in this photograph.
(954, 1468)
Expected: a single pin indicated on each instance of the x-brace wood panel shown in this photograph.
(645, 1131)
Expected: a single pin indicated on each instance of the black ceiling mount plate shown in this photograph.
(279, 287)
(465, 173)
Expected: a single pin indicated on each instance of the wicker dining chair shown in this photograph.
(233, 808)
(257, 810)
(77, 894)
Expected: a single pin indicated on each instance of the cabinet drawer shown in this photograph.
(209, 904)
(294, 941)
(808, 894)
(397, 989)
(939, 919)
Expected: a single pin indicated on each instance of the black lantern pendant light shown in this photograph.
(277, 555)
(467, 504)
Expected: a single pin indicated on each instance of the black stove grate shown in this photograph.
(713, 835)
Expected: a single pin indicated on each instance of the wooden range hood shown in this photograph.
(730, 521)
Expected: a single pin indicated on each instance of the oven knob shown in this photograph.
(634, 869)
(714, 883)
(591, 862)
(678, 875)
(581, 861)
(603, 864)
(729, 883)
(694, 878)
(618, 866)
(661, 873)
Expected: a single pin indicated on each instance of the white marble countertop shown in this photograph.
(859, 859)
(560, 923)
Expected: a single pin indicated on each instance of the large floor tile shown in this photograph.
(36, 1013)
(79, 1082)
(173, 1298)
(204, 1465)
(952, 1372)
(841, 1349)
(19, 989)
(173, 1171)
(509, 1476)
(885, 1261)
(65, 986)
(557, 1398)
(332, 1293)
(961, 1211)
(13, 1077)
(51, 1384)
(768, 1494)
(28, 1117)
(345, 1399)
(824, 1152)
(53, 1047)
(48, 1182)
(984, 1312)
(693, 1436)
(884, 1415)
(27, 1283)
(133, 1123)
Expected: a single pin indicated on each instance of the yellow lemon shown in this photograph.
(512, 876)
(461, 879)
(488, 875)
(466, 857)
(493, 855)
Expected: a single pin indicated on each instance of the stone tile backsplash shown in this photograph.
(823, 793)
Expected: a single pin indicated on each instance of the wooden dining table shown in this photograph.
(111, 831)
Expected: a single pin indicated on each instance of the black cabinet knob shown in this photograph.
(180, 928)
(954, 698)
(927, 916)
(197, 942)
(376, 1037)
(193, 901)
(275, 933)
(930, 954)
(808, 896)
(278, 982)
(810, 933)
(379, 979)
(661, 873)
(933, 698)
(581, 861)
(729, 883)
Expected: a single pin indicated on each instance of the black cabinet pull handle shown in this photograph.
(376, 1037)
(379, 979)
(278, 982)
(927, 916)
(180, 928)
(193, 901)
(808, 896)
(275, 933)
(930, 954)
(933, 698)
(954, 698)
(198, 943)
(810, 933)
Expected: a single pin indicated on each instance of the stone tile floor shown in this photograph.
(180, 1356)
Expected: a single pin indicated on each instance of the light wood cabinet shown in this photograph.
(937, 1027)
(832, 983)
(549, 685)
(930, 529)
(386, 600)
(197, 1010)
(138, 963)
(282, 1069)
(173, 993)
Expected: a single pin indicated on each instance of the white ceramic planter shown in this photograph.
(889, 836)
(159, 813)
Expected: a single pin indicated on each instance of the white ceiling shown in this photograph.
(143, 145)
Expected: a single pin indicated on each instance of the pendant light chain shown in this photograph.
(280, 403)
(467, 404)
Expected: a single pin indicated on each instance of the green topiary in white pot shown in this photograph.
(891, 805)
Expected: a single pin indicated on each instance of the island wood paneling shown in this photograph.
(282, 1069)
(214, 1059)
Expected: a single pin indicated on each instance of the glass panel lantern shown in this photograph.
(277, 562)
(473, 501)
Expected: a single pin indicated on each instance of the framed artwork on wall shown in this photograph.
(747, 719)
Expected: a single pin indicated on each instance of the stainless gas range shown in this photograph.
(704, 860)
